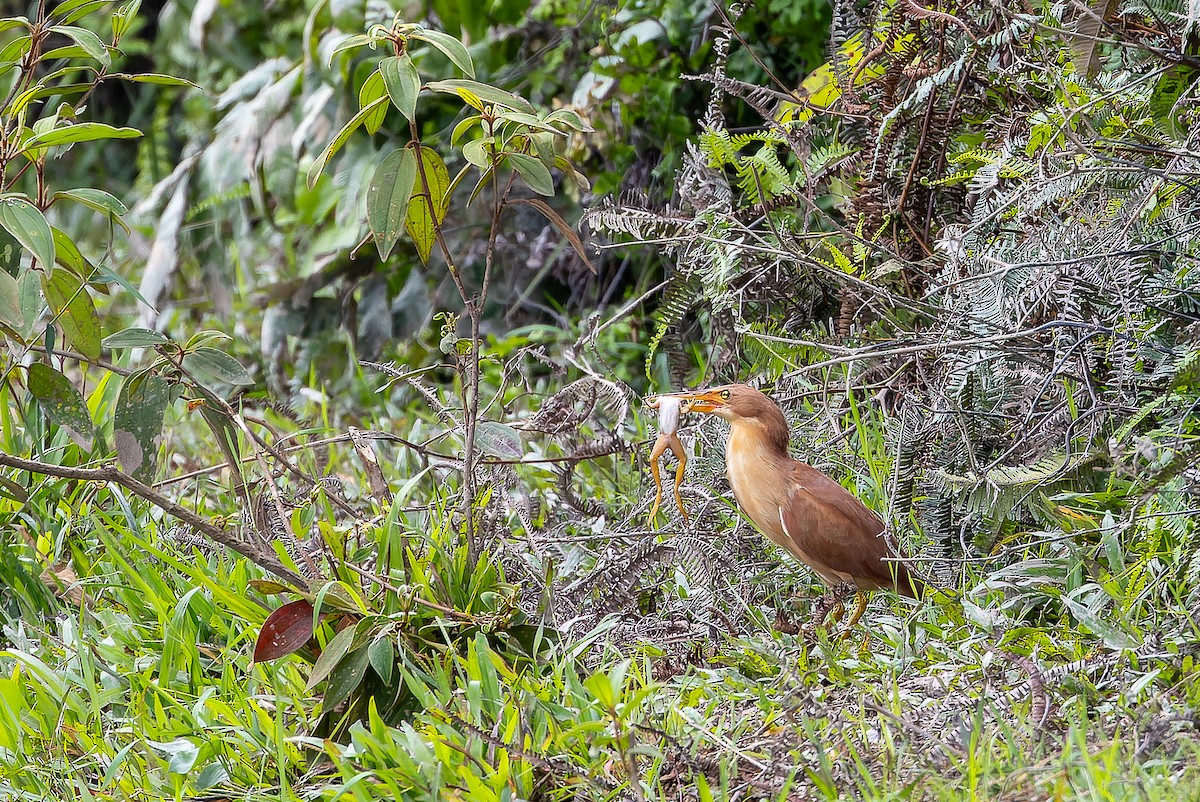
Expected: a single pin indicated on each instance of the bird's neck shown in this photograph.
(753, 439)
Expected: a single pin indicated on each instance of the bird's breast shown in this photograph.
(758, 484)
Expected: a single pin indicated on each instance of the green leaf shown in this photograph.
(70, 10)
(371, 90)
(427, 211)
(156, 78)
(29, 291)
(337, 648)
(534, 172)
(499, 440)
(1113, 636)
(137, 423)
(490, 94)
(402, 82)
(387, 198)
(97, 200)
(73, 311)
(90, 42)
(62, 403)
(28, 226)
(68, 255)
(382, 654)
(79, 132)
(340, 139)
(453, 49)
(10, 253)
(10, 303)
(347, 676)
(206, 362)
(135, 337)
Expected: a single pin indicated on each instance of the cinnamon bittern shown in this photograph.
(796, 506)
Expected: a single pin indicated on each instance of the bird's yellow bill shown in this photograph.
(704, 401)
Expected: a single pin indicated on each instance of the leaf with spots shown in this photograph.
(284, 631)
(62, 403)
(138, 422)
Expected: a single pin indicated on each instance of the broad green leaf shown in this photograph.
(67, 254)
(97, 200)
(209, 363)
(62, 403)
(340, 139)
(387, 198)
(1113, 636)
(347, 676)
(569, 118)
(137, 423)
(534, 172)
(498, 440)
(10, 303)
(489, 94)
(29, 292)
(453, 49)
(402, 82)
(28, 226)
(371, 90)
(427, 211)
(382, 653)
(337, 648)
(73, 311)
(135, 337)
(69, 10)
(463, 127)
(87, 40)
(79, 132)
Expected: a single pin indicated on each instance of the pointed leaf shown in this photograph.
(387, 198)
(138, 422)
(347, 676)
(28, 226)
(340, 139)
(135, 337)
(335, 650)
(402, 82)
(371, 90)
(97, 200)
(382, 653)
(534, 172)
(488, 94)
(284, 631)
(427, 211)
(79, 132)
(209, 363)
(10, 303)
(558, 222)
(90, 42)
(73, 311)
(499, 440)
(62, 403)
(453, 49)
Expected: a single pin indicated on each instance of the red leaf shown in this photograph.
(284, 631)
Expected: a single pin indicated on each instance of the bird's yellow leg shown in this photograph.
(860, 607)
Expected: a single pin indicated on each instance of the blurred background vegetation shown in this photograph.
(955, 240)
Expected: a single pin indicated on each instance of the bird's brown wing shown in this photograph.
(837, 532)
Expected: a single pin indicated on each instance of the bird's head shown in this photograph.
(740, 405)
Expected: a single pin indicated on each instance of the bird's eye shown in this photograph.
(724, 395)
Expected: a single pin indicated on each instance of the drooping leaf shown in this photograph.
(97, 200)
(138, 422)
(1084, 45)
(135, 337)
(382, 653)
(79, 132)
(74, 311)
(284, 631)
(10, 303)
(67, 254)
(453, 49)
(427, 211)
(534, 172)
(62, 403)
(387, 198)
(340, 139)
(90, 42)
(28, 226)
(563, 227)
(402, 82)
(498, 440)
(209, 363)
(489, 94)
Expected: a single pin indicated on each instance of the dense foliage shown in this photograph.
(321, 466)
